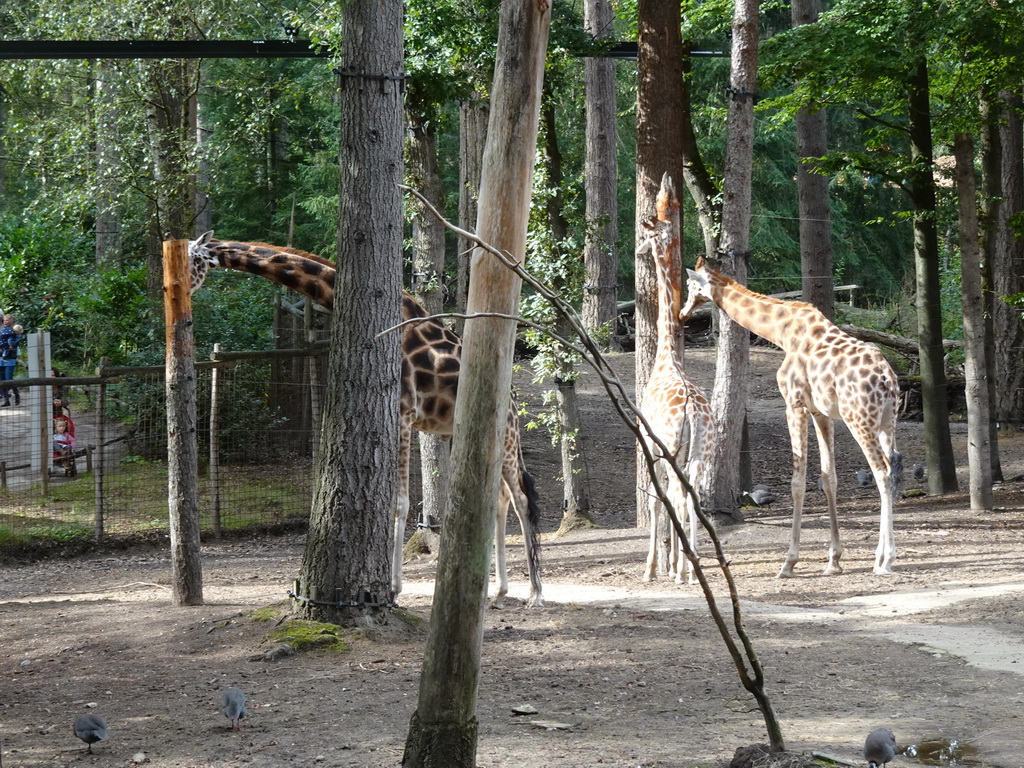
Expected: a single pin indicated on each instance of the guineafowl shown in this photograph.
(880, 747)
(232, 704)
(758, 497)
(90, 729)
(918, 472)
(864, 477)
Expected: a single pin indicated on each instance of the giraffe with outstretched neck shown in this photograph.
(826, 374)
(431, 360)
(677, 410)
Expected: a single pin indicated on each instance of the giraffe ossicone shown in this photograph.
(430, 375)
(826, 374)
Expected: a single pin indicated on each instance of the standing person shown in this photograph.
(10, 336)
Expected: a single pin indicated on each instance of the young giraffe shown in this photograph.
(430, 376)
(828, 375)
(673, 406)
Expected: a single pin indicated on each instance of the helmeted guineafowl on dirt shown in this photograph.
(880, 747)
(232, 704)
(90, 729)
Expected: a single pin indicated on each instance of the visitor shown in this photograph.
(63, 440)
(10, 337)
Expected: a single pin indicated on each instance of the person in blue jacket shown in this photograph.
(10, 337)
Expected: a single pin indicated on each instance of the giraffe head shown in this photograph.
(200, 259)
(698, 288)
(656, 234)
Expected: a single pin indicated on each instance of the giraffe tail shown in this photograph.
(533, 515)
(895, 472)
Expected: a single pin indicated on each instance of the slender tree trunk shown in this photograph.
(443, 731)
(108, 207)
(659, 150)
(699, 182)
(3, 153)
(938, 444)
(600, 294)
(729, 397)
(473, 114)
(812, 191)
(346, 568)
(978, 453)
(203, 205)
(991, 197)
(428, 287)
(1008, 268)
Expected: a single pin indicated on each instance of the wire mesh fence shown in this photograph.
(255, 434)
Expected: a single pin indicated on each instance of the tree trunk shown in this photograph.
(203, 206)
(978, 454)
(600, 177)
(935, 405)
(3, 153)
(443, 730)
(659, 150)
(1008, 268)
(108, 207)
(721, 485)
(182, 456)
(812, 191)
(991, 201)
(428, 287)
(698, 179)
(346, 568)
(472, 134)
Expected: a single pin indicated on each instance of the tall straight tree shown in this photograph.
(659, 150)
(600, 176)
(443, 730)
(729, 397)
(812, 190)
(345, 574)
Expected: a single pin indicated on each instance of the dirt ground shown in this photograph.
(633, 675)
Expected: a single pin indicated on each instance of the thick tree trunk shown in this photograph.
(182, 456)
(729, 397)
(346, 568)
(443, 730)
(991, 203)
(812, 191)
(428, 287)
(1008, 268)
(659, 150)
(978, 454)
(473, 113)
(600, 178)
(938, 444)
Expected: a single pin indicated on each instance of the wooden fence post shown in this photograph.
(101, 434)
(182, 461)
(215, 443)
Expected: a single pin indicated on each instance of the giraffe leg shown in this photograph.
(654, 512)
(796, 419)
(400, 513)
(523, 496)
(882, 457)
(824, 428)
(500, 563)
(695, 471)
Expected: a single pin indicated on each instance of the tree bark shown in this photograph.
(812, 191)
(659, 150)
(182, 456)
(428, 287)
(346, 568)
(108, 207)
(600, 178)
(991, 202)
(721, 486)
(443, 731)
(203, 205)
(935, 405)
(699, 182)
(978, 453)
(473, 114)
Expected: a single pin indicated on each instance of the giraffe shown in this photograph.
(677, 410)
(430, 375)
(826, 374)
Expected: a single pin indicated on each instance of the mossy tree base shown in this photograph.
(440, 744)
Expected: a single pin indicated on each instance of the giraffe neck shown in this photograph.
(669, 302)
(310, 275)
(784, 323)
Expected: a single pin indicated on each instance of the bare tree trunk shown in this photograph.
(600, 176)
(729, 397)
(812, 191)
(1008, 268)
(938, 444)
(991, 202)
(3, 153)
(108, 207)
(978, 453)
(182, 456)
(346, 568)
(659, 150)
(698, 179)
(473, 114)
(428, 287)
(443, 731)
(203, 206)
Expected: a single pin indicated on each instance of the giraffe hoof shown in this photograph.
(535, 602)
(833, 569)
(883, 570)
(786, 572)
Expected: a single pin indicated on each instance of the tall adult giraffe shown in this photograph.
(826, 374)
(677, 410)
(430, 377)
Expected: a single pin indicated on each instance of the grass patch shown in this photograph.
(305, 635)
